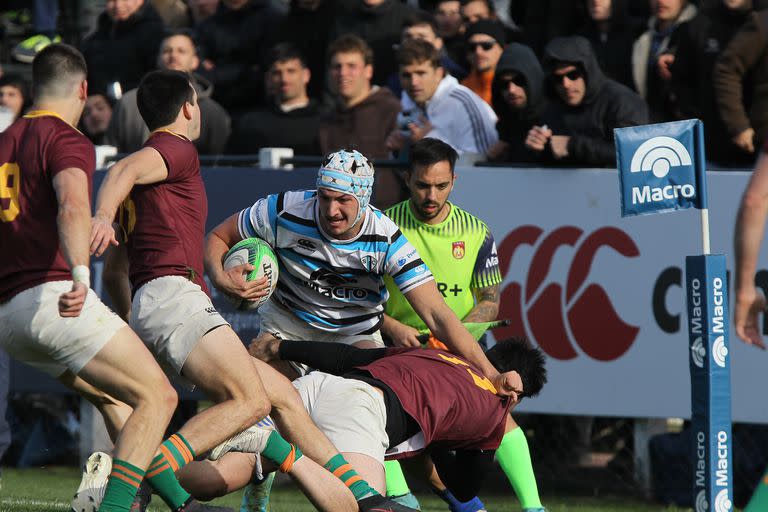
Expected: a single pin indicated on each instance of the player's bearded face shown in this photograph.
(337, 213)
(430, 187)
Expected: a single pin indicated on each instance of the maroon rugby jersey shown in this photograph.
(452, 402)
(33, 150)
(165, 221)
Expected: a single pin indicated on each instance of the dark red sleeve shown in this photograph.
(176, 152)
(71, 149)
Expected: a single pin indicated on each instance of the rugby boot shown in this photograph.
(251, 440)
(407, 499)
(378, 503)
(90, 493)
(454, 505)
(256, 495)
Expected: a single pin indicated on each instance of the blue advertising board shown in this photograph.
(661, 167)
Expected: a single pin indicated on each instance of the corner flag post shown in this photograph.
(662, 168)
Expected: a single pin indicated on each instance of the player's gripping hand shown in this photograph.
(265, 348)
(235, 285)
(71, 303)
(749, 304)
(404, 335)
(102, 235)
(509, 384)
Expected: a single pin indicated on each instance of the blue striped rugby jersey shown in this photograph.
(333, 285)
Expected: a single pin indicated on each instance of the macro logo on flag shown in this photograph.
(660, 166)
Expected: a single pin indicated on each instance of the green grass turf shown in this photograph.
(50, 489)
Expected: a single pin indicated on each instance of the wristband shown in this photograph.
(82, 274)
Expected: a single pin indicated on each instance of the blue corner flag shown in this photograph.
(661, 167)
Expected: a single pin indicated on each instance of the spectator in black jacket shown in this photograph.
(307, 26)
(700, 43)
(232, 46)
(519, 101)
(586, 107)
(612, 32)
(450, 28)
(377, 22)
(653, 55)
(123, 48)
(292, 119)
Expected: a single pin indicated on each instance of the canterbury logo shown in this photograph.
(558, 317)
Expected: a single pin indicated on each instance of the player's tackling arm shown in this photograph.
(750, 225)
(74, 227)
(445, 325)
(144, 167)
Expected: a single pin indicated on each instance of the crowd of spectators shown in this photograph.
(540, 82)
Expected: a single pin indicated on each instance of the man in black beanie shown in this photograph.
(485, 41)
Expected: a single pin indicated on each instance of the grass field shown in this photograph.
(38, 490)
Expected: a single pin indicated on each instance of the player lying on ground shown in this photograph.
(394, 403)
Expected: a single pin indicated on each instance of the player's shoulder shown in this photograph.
(399, 212)
(50, 126)
(165, 139)
(294, 201)
(468, 221)
(381, 225)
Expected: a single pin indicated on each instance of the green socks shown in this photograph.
(175, 453)
(515, 459)
(281, 452)
(344, 472)
(124, 481)
(759, 500)
(396, 484)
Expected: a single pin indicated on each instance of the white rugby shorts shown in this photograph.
(171, 314)
(32, 331)
(350, 412)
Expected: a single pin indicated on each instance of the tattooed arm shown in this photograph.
(486, 304)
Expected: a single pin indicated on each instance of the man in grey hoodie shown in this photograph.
(127, 130)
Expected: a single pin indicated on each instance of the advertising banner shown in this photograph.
(707, 298)
(661, 167)
(604, 296)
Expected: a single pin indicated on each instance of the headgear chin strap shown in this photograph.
(348, 172)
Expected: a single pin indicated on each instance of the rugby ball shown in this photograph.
(258, 253)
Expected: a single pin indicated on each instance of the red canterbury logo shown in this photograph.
(558, 319)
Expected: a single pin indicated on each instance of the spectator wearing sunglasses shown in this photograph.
(519, 101)
(585, 108)
(485, 43)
